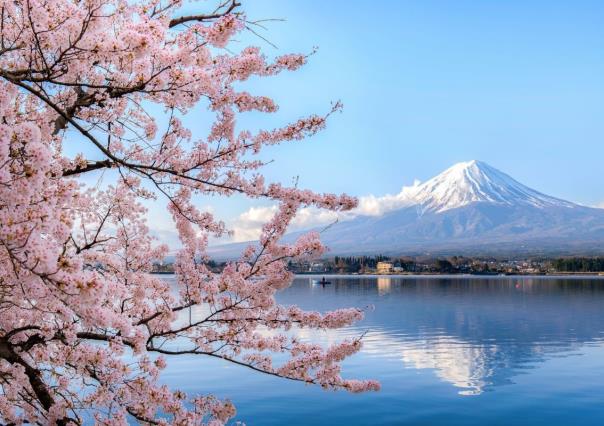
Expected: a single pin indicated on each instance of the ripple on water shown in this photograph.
(457, 350)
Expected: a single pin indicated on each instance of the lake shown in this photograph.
(447, 351)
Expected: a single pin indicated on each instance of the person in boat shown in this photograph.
(324, 281)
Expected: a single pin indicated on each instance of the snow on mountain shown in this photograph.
(475, 181)
(469, 208)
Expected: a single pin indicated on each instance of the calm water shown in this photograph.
(447, 350)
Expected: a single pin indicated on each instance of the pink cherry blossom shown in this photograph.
(85, 329)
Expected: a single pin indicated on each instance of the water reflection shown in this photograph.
(519, 350)
(475, 334)
(384, 284)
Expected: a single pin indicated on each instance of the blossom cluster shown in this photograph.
(82, 320)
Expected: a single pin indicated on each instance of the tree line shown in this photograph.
(579, 264)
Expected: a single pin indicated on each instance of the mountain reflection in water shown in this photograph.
(504, 336)
(475, 333)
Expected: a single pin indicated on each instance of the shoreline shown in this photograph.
(436, 274)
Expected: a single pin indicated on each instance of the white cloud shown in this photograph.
(309, 217)
(248, 224)
(370, 205)
(600, 205)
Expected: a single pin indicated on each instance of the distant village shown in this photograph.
(384, 265)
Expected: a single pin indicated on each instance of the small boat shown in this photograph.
(322, 281)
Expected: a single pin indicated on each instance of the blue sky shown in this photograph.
(426, 84)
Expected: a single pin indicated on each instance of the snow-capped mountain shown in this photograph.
(470, 208)
(474, 182)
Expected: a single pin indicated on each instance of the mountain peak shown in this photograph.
(468, 164)
(476, 181)
(469, 208)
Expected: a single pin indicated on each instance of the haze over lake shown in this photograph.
(447, 350)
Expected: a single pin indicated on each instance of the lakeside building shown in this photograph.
(384, 267)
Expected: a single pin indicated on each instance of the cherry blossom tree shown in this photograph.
(85, 329)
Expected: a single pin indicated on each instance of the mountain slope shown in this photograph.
(477, 228)
(470, 208)
(475, 181)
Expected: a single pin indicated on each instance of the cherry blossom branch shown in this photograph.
(232, 5)
(76, 293)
